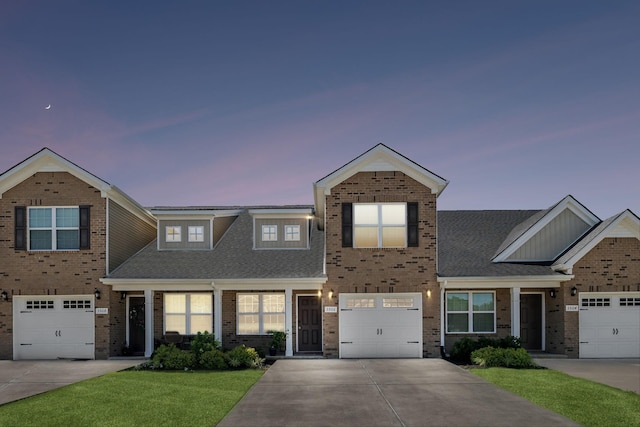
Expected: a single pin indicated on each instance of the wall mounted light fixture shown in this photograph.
(123, 295)
(552, 293)
(319, 293)
(331, 294)
(574, 291)
(428, 293)
(97, 293)
(4, 295)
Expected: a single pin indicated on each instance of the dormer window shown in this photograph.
(269, 233)
(173, 234)
(292, 233)
(196, 233)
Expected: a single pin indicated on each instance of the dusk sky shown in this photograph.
(516, 103)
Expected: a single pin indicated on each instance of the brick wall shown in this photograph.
(382, 270)
(49, 272)
(612, 266)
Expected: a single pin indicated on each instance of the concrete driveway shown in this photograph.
(619, 373)
(399, 392)
(25, 378)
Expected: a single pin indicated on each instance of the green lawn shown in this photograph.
(585, 402)
(135, 398)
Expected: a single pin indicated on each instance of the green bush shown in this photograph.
(491, 357)
(462, 349)
(244, 357)
(204, 341)
(213, 360)
(170, 357)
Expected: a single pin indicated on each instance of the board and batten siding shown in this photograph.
(303, 243)
(127, 234)
(184, 243)
(553, 239)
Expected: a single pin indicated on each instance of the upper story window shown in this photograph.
(269, 233)
(52, 228)
(173, 234)
(292, 233)
(379, 225)
(196, 233)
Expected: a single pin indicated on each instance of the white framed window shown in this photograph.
(260, 313)
(188, 314)
(379, 225)
(269, 233)
(471, 312)
(196, 233)
(361, 302)
(54, 228)
(292, 233)
(173, 233)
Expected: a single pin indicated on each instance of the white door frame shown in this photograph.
(298, 320)
(543, 317)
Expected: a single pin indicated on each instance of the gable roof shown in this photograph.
(377, 159)
(233, 258)
(47, 160)
(468, 239)
(526, 230)
(624, 224)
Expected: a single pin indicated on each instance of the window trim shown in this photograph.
(173, 235)
(380, 226)
(470, 312)
(260, 313)
(187, 313)
(53, 228)
(195, 233)
(266, 231)
(290, 233)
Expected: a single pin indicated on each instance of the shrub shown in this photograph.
(172, 358)
(213, 360)
(491, 357)
(204, 341)
(462, 349)
(244, 357)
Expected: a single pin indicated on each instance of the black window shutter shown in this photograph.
(84, 227)
(412, 224)
(347, 225)
(20, 242)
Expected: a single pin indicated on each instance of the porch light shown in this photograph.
(97, 293)
(331, 294)
(4, 295)
(319, 293)
(574, 291)
(428, 293)
(552, 293)
(123, 295)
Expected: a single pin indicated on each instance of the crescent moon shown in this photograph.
(48, 107)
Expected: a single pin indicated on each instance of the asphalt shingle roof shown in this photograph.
(468, 240)
(232, 258)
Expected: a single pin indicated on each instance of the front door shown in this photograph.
(531, 321)
(309, 324)
(136, 326)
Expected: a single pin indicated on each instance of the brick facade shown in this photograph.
(50, 272)
(411, 269)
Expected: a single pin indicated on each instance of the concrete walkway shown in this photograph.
(25, 378)
(620, 373)
(398, 392)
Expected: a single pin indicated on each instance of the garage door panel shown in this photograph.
(389, 326)
(609, 325)
(53, 327)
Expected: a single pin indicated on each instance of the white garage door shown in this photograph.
(53, 327)
(610, 325)
(380, 325)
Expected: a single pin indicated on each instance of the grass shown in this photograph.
(140, 398)
(583, 401)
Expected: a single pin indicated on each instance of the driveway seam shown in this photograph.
(382, 394)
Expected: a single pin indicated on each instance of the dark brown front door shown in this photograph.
(309, 324)
(136, 325)
(531, 321)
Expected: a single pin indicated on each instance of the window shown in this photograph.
(596, 302)
(188, 314)
(380, 225)
(196, 233)
(260, 313)
(54, 228)
(269, 233)
(292, 233)
(470, 312)
(357, 302)
(397, 302)
(174, 234)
